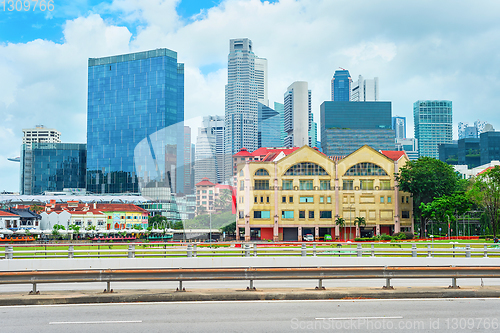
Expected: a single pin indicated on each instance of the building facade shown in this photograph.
(269, 125)
(40, 134)
(305, 192)
(433, 122)
(209, 155)
(298, 114)
(280, 108)
(409, 146)
(399, 127)
(365, 90)
(52, 167)
(347, 126)
(490, 147)
(135, 117)
(341, 86)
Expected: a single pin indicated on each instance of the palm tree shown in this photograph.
(359, 222)
(341, 223)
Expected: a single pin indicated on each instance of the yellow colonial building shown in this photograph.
(305, 192)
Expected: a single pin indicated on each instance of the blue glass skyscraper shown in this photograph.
(433, 125)
(135, 121)
(341, 86)
(269, 127)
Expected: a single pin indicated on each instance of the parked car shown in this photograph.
(308, 238)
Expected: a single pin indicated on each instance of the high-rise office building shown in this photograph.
(298, 115)
(41, 134)
(246, 87)
(433, 125)
(489, 143)
(399, 126)
(409, 146)
(347, 126)
(135, 131)
(209, 156)
(313, 135)
(365, 90)
(269, 127)
(187, 187)
(280, 108)
(49, 166)
(341, 86)
(466, 131)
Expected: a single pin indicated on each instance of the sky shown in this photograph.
(419, 50)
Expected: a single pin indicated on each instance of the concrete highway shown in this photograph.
(415, 315)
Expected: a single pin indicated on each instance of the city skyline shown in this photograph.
(44, 67)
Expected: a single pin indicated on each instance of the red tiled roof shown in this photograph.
(393, 154)
(7, 214)
(486, 170)
(120, 208)
(263, 151)
(243, 152)
(227, 187)
(95, 212)
(205, 182)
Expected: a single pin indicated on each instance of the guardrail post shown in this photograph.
(454, 284)
(359, 250)
(9, 252)
(195, 251)
(34, 291)
(131, 251)
(429, 251)
(251, 286)
(71, 251)
(314, 250)
(247, 250)
(320, 285)
(108, 287)
(255, 250)
(467, 251)
(373, 250)
(303, 250)
(181, 288)
(485, 250)
(388, 284)
(414, 250)
(189, 250)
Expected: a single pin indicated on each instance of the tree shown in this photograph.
(229, 229)
(426, 178)
(485, 191)
(446, 208)
(37, 208)
(341, 223)
(359, 222)
(201, 210)
(224, 201)
(159, 221)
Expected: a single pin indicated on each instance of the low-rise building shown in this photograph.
(306, 192)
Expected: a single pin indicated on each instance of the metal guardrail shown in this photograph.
(250, 274)
(150, 250)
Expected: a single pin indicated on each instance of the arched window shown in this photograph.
(261, 172)
(365, 169)
(306, 169)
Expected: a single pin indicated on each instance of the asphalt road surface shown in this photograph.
(416, 315)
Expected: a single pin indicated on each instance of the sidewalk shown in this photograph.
(162, 295)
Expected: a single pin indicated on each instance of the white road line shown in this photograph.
(357, 318)
(95, 322)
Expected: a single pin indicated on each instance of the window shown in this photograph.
(261, 199)
(311, 214)
(302, 214)
(325, 214)
(210, 192)
(407, 198)
(287, 214)
(256, 200)
(267, 199)
(241, 173)
(328, 199)
(306, 199)
(389, 199)
(381, 199)
(321, 199)
(348, 184)
(242, 185)
(241, 214)
(324, 185)
(365, 169)
(204, 191)
(403, 199)
(283, 199)
(261, 172)
(306, 169)
(405, 214)
(366, 184)
(306, 185)
(287, 184)
(261, 184)
(261, 214)
(385, 184)
(290, 199)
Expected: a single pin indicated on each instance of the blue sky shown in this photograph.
(419, 49)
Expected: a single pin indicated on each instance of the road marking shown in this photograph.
(95, 322)
(358, 318)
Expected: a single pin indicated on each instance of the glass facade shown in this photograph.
(347, 126)
(135, 121)
(490, 147)
(52, 167)
(341, 86)
(269, 125)
(433, 125)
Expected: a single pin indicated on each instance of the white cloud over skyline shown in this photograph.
(418, 49)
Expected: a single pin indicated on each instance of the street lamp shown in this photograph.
(210, 214)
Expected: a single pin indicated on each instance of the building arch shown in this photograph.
(365, 169)
(306, 169)
(261, 172)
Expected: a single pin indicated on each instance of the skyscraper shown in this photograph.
(433, 125)
(280, 108)
(341, 86)
(41, 134)
(298, 115)
(135, 128)
(365, 90)
(347, 126)
(399, 126)
(269, 127)
(209, 156)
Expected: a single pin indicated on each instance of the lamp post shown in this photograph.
(210, 214)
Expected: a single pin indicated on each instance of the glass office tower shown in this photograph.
(433, 125)
(135, 120)
(269, 127)
(52, 167)
(341, 86)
